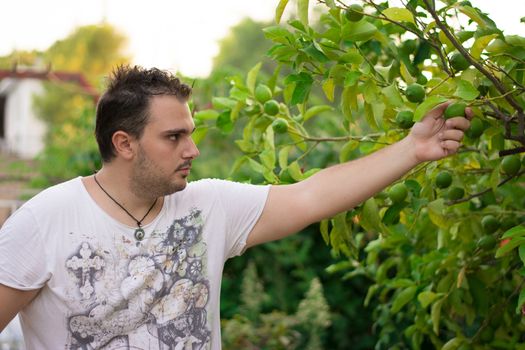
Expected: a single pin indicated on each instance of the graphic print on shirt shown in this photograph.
(150, 299)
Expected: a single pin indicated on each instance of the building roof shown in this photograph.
(54, 76)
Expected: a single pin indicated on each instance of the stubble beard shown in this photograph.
(147, 180)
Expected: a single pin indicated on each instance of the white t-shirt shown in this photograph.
(101, 288)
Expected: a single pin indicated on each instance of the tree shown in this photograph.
(446, 262)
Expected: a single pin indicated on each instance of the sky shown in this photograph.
(179, 35)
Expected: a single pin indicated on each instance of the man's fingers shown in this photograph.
(459, 123)
(452, 134)
(437, 112)
(469, 114)
(450, 146)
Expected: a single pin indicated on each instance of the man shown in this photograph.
(132, 256)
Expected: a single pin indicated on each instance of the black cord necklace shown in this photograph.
(139, 231)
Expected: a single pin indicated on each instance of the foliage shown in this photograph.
(438, 282)
(276, 330)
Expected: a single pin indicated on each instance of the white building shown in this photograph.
(21, 131)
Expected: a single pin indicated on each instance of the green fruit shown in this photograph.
(443, 179)
(456, 109)
(354, 13)
(271, 107)
(455, 193)
(476, 129)
(398, 193)
(263, 93)
(511, 165)
(458, 62)
(409, 46)
(508, 223)
(415, 93)
(487, 242)
(405, 119)
(490, 224)
(280, 126)
(421, 79)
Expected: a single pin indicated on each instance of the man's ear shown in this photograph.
(124, 145)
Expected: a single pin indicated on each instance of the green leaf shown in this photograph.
(329, 89)
(344, 154)
(358, 31)
(403, 298)
(207, 114)
(315, 53)
(427, 105)
(435, 213)
(466, 90)
(278, 34)
(280, 9)
(521, 253)
(452, 344)
(399, 14)
(427, 297)
(435, 315)
(256, 166)
(302, 11)
(370, 216)
(283, 156)
(324, 230)
(223, 103)
(349, 101)
(224, 122)
(315, 110)
(199, 134)
(517, 231)
(514, 242)
(268, 158)
(295, 171)
(352, 77)
(371, 291)
(252, 76)
(473, 14)
(393, 96)
(480, 44)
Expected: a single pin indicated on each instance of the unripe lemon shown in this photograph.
(443, 179)
(511, 165)
(487, 242)
(415, 93)
(459, 62)
(271, 107)
(263, 93)
(354, 13)
(456, 109)
(455, 193)
(398, 193)
(405, 119)
(490, 224)
(280, 126)
(476, 129)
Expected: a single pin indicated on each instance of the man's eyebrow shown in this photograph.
(179, 131)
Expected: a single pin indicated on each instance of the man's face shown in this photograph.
(165, 149)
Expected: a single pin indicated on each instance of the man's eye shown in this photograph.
(173, 137)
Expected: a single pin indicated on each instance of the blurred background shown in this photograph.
(54, 55)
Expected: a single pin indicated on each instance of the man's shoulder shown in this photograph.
(64, 193)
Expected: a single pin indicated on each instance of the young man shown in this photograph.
(132, 257)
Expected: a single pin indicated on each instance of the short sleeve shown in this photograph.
(22, 253)
(243, 205)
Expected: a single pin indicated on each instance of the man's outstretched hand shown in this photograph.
(434, 137)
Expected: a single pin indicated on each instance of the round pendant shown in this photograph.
(139, 234)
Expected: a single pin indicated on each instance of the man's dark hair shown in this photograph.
(125, 104)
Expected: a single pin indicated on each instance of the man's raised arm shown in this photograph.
(290, 208)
